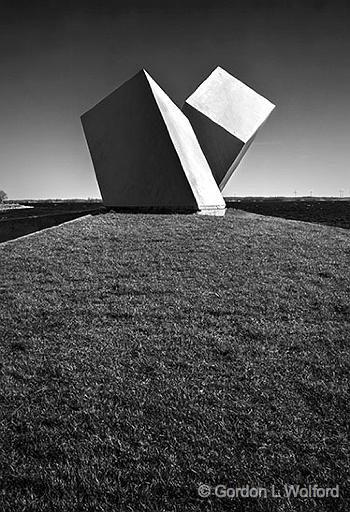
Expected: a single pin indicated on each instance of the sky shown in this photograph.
(58, 59)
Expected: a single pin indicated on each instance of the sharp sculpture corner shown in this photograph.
(148, 155)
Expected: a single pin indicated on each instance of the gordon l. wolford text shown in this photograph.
(273, 491)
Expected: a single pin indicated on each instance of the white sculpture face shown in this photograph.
(231, 104)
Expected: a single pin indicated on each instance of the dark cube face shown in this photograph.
(134, 158)
(220, 147)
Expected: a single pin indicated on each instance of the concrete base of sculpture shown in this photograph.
(218, 212)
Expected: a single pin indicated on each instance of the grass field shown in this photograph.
(144, 355)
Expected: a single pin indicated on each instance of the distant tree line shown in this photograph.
(3, 196)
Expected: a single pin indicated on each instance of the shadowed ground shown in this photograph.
(142, 355)
(331, 212)
(21, 221)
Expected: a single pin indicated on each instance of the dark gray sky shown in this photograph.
(57, 60)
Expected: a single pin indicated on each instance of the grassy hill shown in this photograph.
(144, 355)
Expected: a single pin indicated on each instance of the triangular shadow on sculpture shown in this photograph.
(218, 145)
(240, 157)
